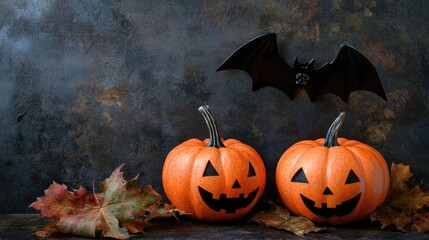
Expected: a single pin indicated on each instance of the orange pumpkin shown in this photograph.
(332, 180)
(213, 180)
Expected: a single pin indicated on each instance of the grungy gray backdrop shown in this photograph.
(88, 85)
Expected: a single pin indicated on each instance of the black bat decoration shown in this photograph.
(349, 71)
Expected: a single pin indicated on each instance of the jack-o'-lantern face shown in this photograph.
(228, 197)
(332, 180)
(324, 190)
(331, 185)
(340, 209)
(214, 179)
(219, 184)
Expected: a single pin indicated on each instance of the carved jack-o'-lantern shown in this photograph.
(213, 179)
(332, 180)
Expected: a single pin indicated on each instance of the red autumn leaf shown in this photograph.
(121, 207)
(405, 206)
(281, 218)
(58, 201)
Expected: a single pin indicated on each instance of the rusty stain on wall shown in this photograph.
(379, 133)
(217, 13)
(398, 99)
(391, 61)
(296, 18)
(388, 113)
(354, 22)
(335, 29)
(114, 96)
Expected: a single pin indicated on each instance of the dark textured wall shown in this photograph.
(88, 85)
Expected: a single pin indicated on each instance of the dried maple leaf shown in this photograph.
(404, 207)
(48, 230)
(121, 207)
(388, 216)
(58, 201)
(281, 218)
(421, 222)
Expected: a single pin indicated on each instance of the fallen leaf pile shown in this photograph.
(122, 207)
(407, 205)
(281, 218)
(406, 208)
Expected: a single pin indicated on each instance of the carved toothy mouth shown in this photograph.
(340, 210)
(229, 204)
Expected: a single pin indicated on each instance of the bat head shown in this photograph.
(302, 70)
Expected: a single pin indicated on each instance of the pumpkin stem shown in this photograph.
(331, 136)
(215, 140)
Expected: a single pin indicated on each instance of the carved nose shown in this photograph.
(327, 191)
(236, 184)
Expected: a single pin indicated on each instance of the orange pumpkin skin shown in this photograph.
(239, 176)
(330, 185)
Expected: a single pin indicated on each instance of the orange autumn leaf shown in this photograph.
(281, 218)
(404, 195)
(405, 207)
(399, 176)
(48, 230)
(121, 207)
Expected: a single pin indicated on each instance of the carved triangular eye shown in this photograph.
(210, 170)
(300, 176)
(252, 172)
(352, 178)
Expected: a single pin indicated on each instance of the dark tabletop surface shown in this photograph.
(23, 226)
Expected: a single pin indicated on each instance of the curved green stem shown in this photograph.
(215, 140)
(331, 136)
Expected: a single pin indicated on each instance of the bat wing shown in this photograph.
(349, 71)
(261, 60)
